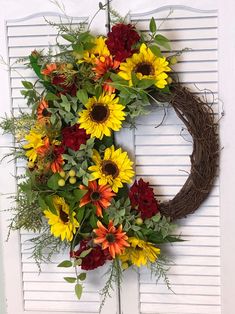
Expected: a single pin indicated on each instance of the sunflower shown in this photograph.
(114, 169)
(63, 224)
(99, 195)
(99, 50)
(111, 238)
(145, 65)
(139, 253)
(102, 115)
(35, 141)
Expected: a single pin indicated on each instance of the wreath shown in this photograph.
(78, 189)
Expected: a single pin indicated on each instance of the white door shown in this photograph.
(202, 276)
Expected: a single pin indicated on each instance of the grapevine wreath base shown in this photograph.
(198, 117)
(78, 191)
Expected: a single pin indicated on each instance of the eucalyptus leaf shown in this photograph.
(78, 290)
(65, 264)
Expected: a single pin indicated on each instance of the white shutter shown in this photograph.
(162, 158)
(46, 292)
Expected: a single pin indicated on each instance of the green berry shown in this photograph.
(139, 221)
(72, 180)
(62, 174)
(61, 182)
(72, 173)
(173, 60)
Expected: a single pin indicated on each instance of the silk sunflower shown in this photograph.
(63, 223)
(139, 253)
(102, 115)
(146, 65)
(115, 168)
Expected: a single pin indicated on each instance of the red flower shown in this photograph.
(143, 200)
(73, 137)
(65, 88)
(96, 258)
(121, 39)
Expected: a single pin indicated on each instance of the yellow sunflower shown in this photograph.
(100, 50)
(139, 253)
(35, 141)
(114, 169)
(63, 224)
(145, 65)
(102, 115)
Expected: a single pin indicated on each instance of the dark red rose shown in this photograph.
(60, 81)
(121, 39)
(73, 137)
(143, 200)
(96, 258)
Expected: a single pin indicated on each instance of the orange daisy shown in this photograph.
(98, 195)
(111, 238)
(42, 111)
(49, 69)
(109, 89)
(103, 65)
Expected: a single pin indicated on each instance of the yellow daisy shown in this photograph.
(63, 224)
(145, 65)
(100, 50)
(114, 169)
(140, 253)
(102, 115)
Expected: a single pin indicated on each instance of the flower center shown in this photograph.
(144, 68)
(95, 196)
(63, 216)
(110, 238)
(45, 112)
(99, 113)
(110, 168)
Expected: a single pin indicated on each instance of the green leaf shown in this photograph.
(65, 264)
(152, 25)
(70, 279)
(82, 276)
(93, 221)
(51, 96)
(156, 218)
(145, 83)
(52, 183)
(68, 37)
(80, 214)
(78, 290)
(42, 203)
(98, 91)
(78, 262)
(156, 50)
(85, 253)
(33, 58)
(82, 96)
(162, 41)
(50, 203)
(134, 79)
(78, 194)
(27, 84)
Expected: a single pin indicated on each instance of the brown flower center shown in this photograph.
(63, 216)
(144, 68)
(110, 238)
(110, 168)
(45, 112)
(99, 113)
(95, 196)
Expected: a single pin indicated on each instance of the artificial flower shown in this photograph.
(111, 238)
(42, 110)
(50, 68)
(115, 168)
(96, 257)
(143, 200)
(100, 49)
(121, 39)
(73, 137)
(103, 65)
(63, 223)
(35, 141)
(146, 65)
(139, 253)
(98, 195)
(102, 115)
